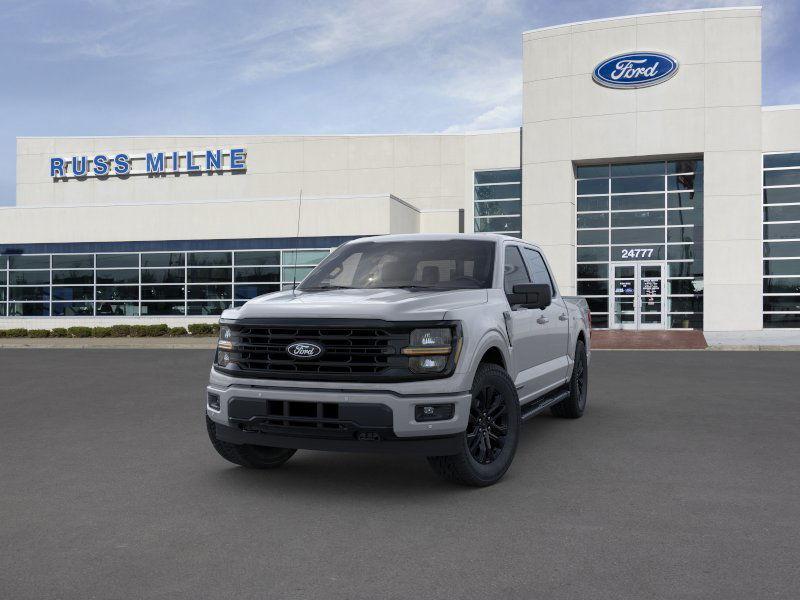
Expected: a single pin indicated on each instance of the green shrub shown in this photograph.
(215, 329)
(138, 330)
(59, 332)
(2, 333)
(177, 331)
(120, 330)
(80, 332)
(17, 332)
(101, 332)
(157, 330)
(203, 329)
(38, 333)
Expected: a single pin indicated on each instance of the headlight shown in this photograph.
(429, 350)
(224, 346)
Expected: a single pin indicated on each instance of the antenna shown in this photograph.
(296, 244)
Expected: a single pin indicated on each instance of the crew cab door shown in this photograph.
(552, 324)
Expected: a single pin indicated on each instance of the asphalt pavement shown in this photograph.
(681, 481)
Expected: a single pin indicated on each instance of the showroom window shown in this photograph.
(130, 284)
(640, 243)
(781, 300)
(498, 202)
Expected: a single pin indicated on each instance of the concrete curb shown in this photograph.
(166, 343)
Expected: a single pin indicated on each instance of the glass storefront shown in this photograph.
(640, 243)
(498, 202)
(781, 300)
(129, 284)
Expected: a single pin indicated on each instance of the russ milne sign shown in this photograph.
(151, 163)
(635, 70)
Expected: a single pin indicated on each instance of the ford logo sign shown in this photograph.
(304, 350)
(635, 70)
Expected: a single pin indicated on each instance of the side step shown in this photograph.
(531, 409)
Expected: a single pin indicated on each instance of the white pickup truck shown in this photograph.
(436, 345)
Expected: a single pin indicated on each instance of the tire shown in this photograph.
(573, 407)
(247, 455)
(489, 442)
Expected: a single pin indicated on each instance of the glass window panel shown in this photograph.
(537, 268)
(162, 309)
(648, 168)
(636, 184)
(685, 286)
(679, 252)
(782, 195)
(498, 176)
(782, 231)
(637, 219)
(3, 262)
(592, 271)
(29, 262)
(493, 224)
(680, 269)
(304, 257)
(789, 159)
(29, 293)
(29, 277)
(259, 257)
(680, 234)
(209, 259)
(684, 182)
(213, 307)
(163, 259)
(3, 309)
(2, 294)
(593, 288)
(782, 249)
(782, 285)
(592, 236)
(684, 217)
(85, 292)
(301, 273)
(788, 320)
(117, 292)
(638, 252)
(684, 166)
(2, 277)
(782, 213)
(73, 277)
(789, 177)
(514, 269)
(497, 192)
(782, 303)
(73, 261)
(694, 321)
(637, 236)
(248, 291)
(637, 202)
(163, 276)
(587, 171)
(593, 220)
(209, 292)
(114, 261)
(257, 274)
(162, 292)
(117, 309)
(590, 254)
(596, 203)
(597, 304)
(509, 207)
(599, 321)
(28, 309)
(73, 309)
(592, 186)
(685, 200)
(209, 275)
(782, 267)
(118, 276)
(685, 304)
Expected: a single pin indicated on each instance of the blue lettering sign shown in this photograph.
(154, 163)
(213, 160)
(100, 164)
(79, 166)
(176, 162)
(190, 166)
(123, 165)
(237, 159)
(635, 70)
(56, 167)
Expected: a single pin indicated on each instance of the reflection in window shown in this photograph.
(498, 202)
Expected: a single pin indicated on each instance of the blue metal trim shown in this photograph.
(178, 245)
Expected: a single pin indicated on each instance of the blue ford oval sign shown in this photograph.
(635, 70)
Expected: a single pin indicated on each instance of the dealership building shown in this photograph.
(645, 166)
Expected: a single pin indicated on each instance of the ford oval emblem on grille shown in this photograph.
(304, 350)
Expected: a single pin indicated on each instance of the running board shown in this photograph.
(532, 409)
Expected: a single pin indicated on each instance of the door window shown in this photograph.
(514, 271)
(538, 269)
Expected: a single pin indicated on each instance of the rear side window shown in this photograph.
(538, 269)
(514, 271)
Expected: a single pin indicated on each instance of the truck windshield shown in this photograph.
(413, 265)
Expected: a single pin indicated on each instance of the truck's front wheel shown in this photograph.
(247, 455)
(490, 440)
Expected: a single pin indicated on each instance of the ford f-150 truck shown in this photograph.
(436, 345)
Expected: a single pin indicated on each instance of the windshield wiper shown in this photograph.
(322, 288)
(409, 287)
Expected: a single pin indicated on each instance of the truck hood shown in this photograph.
(385, 304)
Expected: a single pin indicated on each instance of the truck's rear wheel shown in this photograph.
(490, 440)
(247, 455)
(573, 407)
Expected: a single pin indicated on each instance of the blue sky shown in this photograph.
(151, 67)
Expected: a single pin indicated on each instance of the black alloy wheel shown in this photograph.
(488, 425)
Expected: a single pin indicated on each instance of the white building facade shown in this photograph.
(646, 166)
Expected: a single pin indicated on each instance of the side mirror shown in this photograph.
(531, 295)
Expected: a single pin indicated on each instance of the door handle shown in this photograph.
(562, 317)
(542, 320)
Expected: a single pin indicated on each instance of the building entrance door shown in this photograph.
(637, 290)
